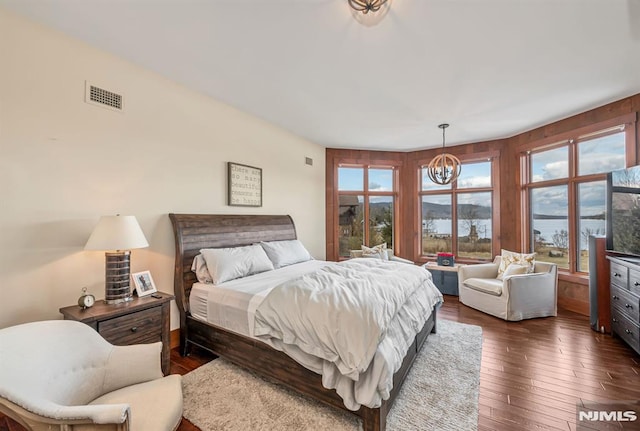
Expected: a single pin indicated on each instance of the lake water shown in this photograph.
(546, 227)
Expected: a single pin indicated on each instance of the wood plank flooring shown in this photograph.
(533, 372)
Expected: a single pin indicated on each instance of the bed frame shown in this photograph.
(196, 231)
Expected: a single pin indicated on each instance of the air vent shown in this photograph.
(101, 97)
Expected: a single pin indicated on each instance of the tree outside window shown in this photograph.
(366, 208)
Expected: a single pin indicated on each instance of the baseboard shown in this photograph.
(175, 338)
(574, 305)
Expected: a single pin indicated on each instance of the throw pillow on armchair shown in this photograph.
(378, 252)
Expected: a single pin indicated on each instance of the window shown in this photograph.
(365, 193)
(458, 218)
(565, 192)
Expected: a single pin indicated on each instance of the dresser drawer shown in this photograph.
(619, 275)
(634, 281)
(626, 329)
(141, 327)
(626, 302)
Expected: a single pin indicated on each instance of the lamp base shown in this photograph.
(118, 301)
(117, 277)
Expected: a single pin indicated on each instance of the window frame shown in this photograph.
(453, 191)
(572, 140)
(367, 194)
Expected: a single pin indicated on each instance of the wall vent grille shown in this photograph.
(101, 97)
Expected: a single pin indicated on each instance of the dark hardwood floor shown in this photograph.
(533, 372)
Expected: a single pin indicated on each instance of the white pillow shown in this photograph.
(199, 266)
(379, 251)
(509, 257)
(226, 264)
(284, 253)
(513, 269)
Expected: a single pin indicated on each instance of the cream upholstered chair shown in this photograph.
(515, 297)
(62, 374)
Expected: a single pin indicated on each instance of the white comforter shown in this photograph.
(356, 318)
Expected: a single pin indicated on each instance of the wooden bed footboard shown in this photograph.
(278, 367)
(196, 231)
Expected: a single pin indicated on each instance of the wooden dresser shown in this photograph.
(625, 300)
(140, 321)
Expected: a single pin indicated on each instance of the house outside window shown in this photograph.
(366, 193)
(458, 218)
(565, 194)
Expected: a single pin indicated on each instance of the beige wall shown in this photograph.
(64, 163)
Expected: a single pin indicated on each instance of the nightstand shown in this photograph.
(140, 321)
(444, 277)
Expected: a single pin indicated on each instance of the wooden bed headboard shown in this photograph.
(193, 232)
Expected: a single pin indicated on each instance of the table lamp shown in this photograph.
(117, 234)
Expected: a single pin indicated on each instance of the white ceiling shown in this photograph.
(490, 68)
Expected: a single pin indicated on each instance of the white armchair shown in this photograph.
(515, 297)
(62, 374)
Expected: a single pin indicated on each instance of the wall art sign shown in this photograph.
(244, 185)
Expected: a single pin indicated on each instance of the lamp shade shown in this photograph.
(116, 233)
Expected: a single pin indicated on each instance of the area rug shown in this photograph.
(440, 393)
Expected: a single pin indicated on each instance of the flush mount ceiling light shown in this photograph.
(444, 168)
(366, 6)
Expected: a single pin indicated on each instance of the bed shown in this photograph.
(194, 232)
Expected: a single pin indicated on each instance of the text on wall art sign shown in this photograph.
(244, 185)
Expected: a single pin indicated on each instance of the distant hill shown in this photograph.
(559, 217)
(437, 211)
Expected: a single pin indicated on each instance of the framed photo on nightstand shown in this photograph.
(144, 283)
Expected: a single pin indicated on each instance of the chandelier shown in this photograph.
(365, 6)
(444, 168)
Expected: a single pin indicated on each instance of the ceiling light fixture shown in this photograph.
(444, 168)
(366, 6)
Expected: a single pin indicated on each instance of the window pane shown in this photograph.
(380, 180)
(591, 210)
(601, 154)
(550, 224)
(474, 225)
(381, 221)
(475, 175)
(351, 179)
(436, 224)
(427, 184)
(550, 165)
(351, 213)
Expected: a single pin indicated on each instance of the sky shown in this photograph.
(597, 155)
(352, 179)
(594, 156)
